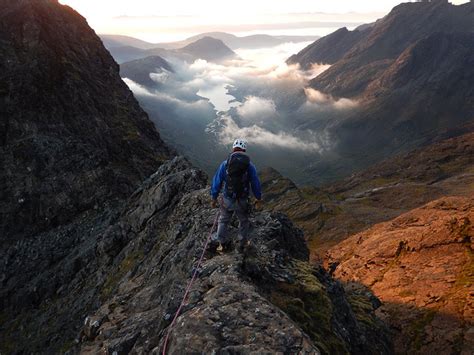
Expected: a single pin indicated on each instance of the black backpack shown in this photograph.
(237, 175)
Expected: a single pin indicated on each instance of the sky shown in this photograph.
(158, 21)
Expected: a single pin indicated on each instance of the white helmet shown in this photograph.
(240, 143)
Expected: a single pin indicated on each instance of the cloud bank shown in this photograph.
(202, 107)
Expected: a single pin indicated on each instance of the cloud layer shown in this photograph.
(204, 106)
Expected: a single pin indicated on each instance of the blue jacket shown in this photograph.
(220, 179)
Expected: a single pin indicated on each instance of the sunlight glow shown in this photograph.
(178, 19)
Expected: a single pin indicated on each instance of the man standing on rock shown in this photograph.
(237, 174)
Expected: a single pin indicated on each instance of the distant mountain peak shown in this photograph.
(209, 48)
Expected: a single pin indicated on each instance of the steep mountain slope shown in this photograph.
(139, 70)
(409, 79)
(386, 190)
(329, 49)
(421, 265)
(71, 120)
(72, 135)
(388, 39)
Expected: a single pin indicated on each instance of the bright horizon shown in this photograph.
(158, 22)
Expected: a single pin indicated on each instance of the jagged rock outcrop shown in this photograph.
(127, 268)
(72, 135)
(421, 265)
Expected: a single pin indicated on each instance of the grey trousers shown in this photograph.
(227, 209)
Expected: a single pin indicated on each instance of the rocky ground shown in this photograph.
(116, 288)
(421, 265)
(330, 214)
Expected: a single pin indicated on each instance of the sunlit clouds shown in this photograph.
(257, 96)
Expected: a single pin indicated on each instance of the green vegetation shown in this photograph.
(307, 303)
(417, 328)
(466, 277)
(8, 339)
(363, 309)
(377, 182)
(127, 264)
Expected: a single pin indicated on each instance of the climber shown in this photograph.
(237, 174)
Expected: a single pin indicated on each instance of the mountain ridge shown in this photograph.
(206, 48)
(108, 273)
(70, 94)
(232, 41)
(410, 22)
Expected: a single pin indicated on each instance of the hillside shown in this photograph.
(409, 77)
(386, 190)
(209, 49)
(329, 49)
(72, 134)
(230, 40)
(421, 265)
(139, 70)
(419, 261)
(373, 53)
(114, 41)
(206, 48)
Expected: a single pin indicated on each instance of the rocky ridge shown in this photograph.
(387, 39)
(125, 273)
(96, 261)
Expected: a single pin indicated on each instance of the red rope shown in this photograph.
(188, 288)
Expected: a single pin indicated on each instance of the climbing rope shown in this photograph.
(188, 288)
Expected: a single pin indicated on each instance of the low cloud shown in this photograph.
(260, 136)
(257, 109)
(320, 99)
(257, 96)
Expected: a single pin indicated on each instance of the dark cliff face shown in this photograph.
(71, 133)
